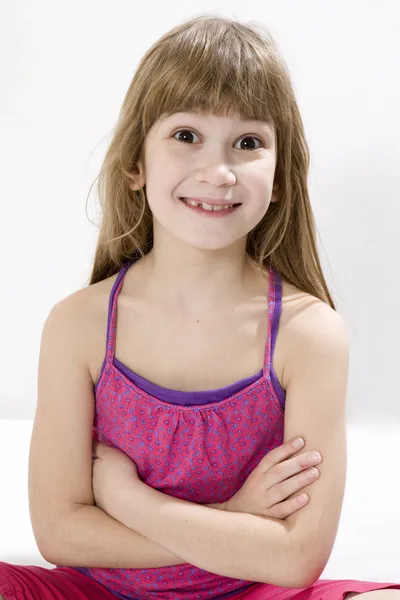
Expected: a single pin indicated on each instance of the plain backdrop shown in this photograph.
(64, 70)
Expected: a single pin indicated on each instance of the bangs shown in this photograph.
(213, 70)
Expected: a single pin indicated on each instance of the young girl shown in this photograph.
(223, 346)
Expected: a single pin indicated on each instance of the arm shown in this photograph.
(288, 553)
(317, 376)
(68, 528)
(238, 545)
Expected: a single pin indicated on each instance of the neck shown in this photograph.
(198, 280)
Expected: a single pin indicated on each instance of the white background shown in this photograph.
(65, 68)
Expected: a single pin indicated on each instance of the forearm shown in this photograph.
(238, 545)
(89, 537)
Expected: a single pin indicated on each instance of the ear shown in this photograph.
(275, 194)
(138, 178)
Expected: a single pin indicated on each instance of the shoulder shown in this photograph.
(308, 328)
(80, 319)
(306, 315)
(80, 306)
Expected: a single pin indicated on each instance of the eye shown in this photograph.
(189, 132)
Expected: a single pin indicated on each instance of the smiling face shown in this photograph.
(201, 156)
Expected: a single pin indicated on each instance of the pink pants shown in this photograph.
(38, 583)
(63, 583)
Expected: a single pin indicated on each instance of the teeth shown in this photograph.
(206, 206)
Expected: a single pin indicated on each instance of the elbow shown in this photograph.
(311, 549)
(54, 551)
(309, 567)
(51, 535)
(44, 534)
(47, 543)
(300, 566)
(45, 548)
(47, 555)
(298, 577)
(307, 578)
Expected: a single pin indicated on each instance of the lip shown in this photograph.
(212, 201)
(223, 213)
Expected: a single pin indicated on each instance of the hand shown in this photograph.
(267, 489)
(112, 471)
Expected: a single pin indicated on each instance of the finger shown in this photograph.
(291, 467)
(281, 453)
(289, 507)
(283, 490)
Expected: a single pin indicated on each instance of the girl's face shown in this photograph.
(224, 159)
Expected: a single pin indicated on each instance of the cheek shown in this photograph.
(262, 190)
(162, 180)
(253, 214)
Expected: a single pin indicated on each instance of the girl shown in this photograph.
(222, 346)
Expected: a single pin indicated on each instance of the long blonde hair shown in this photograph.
(212, 64)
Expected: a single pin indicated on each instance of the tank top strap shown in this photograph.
(274, 313)
(112, 312)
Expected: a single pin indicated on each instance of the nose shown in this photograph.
(216, 175)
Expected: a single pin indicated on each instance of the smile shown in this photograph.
(209, 209)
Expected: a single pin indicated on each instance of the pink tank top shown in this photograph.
(201, 452)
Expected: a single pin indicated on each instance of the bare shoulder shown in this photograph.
(82, 307)
(307, 321)
(82, 316)
(303, 312)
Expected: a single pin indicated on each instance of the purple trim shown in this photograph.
(275, 325)
(186, 398)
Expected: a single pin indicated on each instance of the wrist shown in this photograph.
(131, 501)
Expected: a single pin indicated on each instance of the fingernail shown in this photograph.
(315, 456)
(313, 472)
(298, 443)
